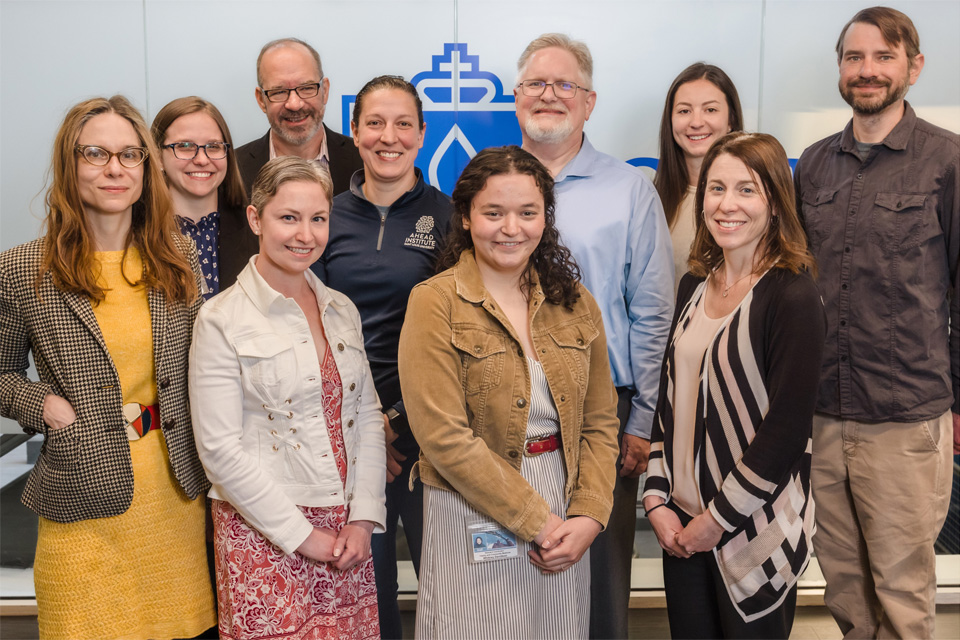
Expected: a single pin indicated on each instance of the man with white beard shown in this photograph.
(292, 91)
(610, 217)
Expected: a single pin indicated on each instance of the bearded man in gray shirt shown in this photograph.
(880, 202)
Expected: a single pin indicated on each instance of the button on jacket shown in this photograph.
(466, 386)
(84, 470)
(886, 235)
(255, 395)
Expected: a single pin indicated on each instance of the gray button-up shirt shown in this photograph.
(886, 235)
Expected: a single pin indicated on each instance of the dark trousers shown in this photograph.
(405, 505)
(611, 554)
(698, 605)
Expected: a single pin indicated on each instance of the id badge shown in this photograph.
(489, 540)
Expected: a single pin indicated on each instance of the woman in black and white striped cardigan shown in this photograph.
(729, 469)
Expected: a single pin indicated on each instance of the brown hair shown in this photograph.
(576, 48)
(558, 273)
(386, 82)
(231, 191)
(286, 42)
(69, 245)
(284, 169)
(672, 179)
(784, 244)
(895, 27)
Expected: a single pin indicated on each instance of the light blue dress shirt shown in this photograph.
(610, 217)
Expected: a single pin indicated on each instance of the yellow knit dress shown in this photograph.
(142, 574)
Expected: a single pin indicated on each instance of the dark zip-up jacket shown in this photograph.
(375, 261)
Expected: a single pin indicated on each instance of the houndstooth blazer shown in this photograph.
(84, 470)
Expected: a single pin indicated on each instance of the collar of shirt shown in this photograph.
(264, 297)
(323, 155)
(896, 140)
(583, 165)
(202, 224)
(470, 285)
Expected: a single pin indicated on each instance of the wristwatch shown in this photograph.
(397, 421)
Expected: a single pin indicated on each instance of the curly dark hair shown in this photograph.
(559, 274)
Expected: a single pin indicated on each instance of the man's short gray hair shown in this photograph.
(577, 49)
(286, 42)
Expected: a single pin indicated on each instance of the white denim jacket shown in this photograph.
(255, 396)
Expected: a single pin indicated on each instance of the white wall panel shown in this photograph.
(53, 55)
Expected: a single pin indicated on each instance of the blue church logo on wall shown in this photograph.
(465, 110)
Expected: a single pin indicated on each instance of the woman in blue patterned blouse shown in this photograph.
(204, 181)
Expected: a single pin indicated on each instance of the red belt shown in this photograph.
(546, 444)
(141, 419)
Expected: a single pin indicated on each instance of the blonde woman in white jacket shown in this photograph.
(289, 429)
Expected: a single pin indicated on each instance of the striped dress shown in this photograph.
(503, 598)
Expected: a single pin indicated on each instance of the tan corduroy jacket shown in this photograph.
(466, 387)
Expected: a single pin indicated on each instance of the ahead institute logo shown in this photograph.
(422, 236)
(465, 109)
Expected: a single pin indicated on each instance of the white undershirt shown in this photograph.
(323, 156)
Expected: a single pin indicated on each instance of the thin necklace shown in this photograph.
(726, 290)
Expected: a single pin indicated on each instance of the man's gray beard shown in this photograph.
(555, 135)
(296, 141)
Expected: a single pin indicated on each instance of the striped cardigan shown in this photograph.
(752, 440)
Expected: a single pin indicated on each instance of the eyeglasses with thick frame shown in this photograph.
(305, 91)
(189, 150)
(130, 157)
(561, 88)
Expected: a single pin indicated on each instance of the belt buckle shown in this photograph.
(131, 413)
(527, 443)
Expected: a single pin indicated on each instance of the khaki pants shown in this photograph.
(881, 492)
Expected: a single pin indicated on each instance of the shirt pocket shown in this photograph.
(269, 364)
(897, 221)
(574, 345)
(482, 355)
(820, 209)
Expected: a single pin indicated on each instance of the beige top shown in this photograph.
(682, 232)
(689, 351)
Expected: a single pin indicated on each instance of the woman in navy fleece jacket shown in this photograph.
(385, 235)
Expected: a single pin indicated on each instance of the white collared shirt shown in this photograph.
(323, 156)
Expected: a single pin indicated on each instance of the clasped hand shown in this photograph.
(344, 551)
(563, 542)
(702, 534)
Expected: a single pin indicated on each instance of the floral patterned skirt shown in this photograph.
(265, 593)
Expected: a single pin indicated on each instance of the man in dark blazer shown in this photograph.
(293, 92)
